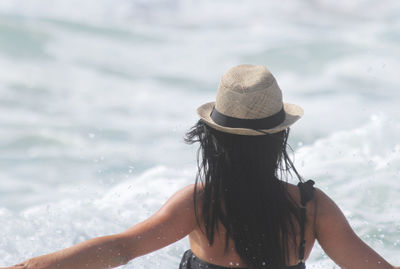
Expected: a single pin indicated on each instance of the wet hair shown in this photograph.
(243, 189)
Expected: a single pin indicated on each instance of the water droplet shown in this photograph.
(300, 144)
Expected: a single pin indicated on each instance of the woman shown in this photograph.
(239, 213)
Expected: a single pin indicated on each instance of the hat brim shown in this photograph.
(293, 113)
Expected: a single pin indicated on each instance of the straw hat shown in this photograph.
(249, 102)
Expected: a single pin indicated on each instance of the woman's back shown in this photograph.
(325, 223)
(218, 255)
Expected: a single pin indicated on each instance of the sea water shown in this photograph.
(96, 96)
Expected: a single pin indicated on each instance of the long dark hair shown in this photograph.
(242, 189)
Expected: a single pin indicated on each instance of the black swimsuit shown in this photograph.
(191, 261)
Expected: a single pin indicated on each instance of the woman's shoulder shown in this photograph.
(186, 194)
(303, 190)
(309, 188)
(319, 204)
(293, 190)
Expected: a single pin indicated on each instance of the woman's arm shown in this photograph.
(172, 222)
(339, 241)
(100, 252)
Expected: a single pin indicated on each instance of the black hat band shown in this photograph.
(257, 124)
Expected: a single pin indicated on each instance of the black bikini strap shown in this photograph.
(306, 194)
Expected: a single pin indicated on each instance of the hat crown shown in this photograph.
(248, 92)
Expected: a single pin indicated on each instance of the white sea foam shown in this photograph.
(60, 224)
(360, 170)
